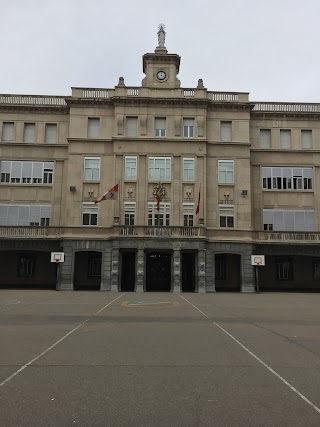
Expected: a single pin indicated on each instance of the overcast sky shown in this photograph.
(270, 48)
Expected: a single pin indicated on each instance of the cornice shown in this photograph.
(5, 108)
(265, 115)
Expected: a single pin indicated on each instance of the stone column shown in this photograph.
(140, 271)
(106, 270)
(210, 271)
(247, 270)
(65, 272)
(115, 269)
(176, 270)
(201, 270)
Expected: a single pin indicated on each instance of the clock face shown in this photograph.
(161, 75)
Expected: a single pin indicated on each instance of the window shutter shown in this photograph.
(306, 138)
(7, 131)
(13, 215)
(285, 138)
(93, 127)
(26, 169)
(16, 169)
(226, 131)
(5, 167)
(34, 214)
(23, 215)
(51, 133)
(45, 211)
(132, 126)
(29, 132)
(265, 138)
(3, 214)
(299, 221)
(278, 221)
(267, 217)
(37, 170)
(309, 221)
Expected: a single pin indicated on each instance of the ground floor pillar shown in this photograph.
(140, 270)
(176, 270)
(201, 271)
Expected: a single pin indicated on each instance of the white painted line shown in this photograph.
(110, 303)
(258, 359)
(53, 345)
(9, 302)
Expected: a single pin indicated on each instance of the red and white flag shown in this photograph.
(111, 194)
(198, 205)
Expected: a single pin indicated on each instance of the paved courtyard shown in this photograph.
(159, 359)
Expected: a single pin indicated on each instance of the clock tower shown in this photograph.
(161, 68)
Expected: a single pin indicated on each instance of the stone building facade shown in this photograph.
(205, 180)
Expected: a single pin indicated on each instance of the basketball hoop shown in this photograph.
(57, 257)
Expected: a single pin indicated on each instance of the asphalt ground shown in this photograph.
(159, 359)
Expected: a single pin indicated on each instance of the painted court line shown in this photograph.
(54, 345)
(257, 358)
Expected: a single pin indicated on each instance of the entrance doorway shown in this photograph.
(87, 271)
(228, 272)
(188, 262)
(158, 272)
(128, 271)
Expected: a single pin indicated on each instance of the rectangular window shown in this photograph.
(286, 178)
(94, 266)
(25, 215)
(226, 216)
(285, 138)
(159, 168)
(51, 133)
(188, 169)
(26, 172)
(226, 131)
(220, 267)
(132, 126)
(129, 213)
(188, 214)
(306, 138)
(188, 128)
(265, 138)
(288, 220)
(7, 131)
(89, 214)
(25, 266)
(130, 166)
(161, 218)
(29, 132)
(93, 127)
(92, 168)
(316, 268)
(284, 270)
(160, 127)
(226, 171)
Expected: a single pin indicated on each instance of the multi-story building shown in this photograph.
(205, 180)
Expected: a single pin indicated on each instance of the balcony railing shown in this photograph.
(124, 231)
(286, 107)
(17, 232)
(33, 100)
(289, 236)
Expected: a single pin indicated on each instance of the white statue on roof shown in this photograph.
(161, 36)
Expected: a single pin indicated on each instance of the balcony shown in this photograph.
(125, 232)
(288, 237)
(122, 231)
